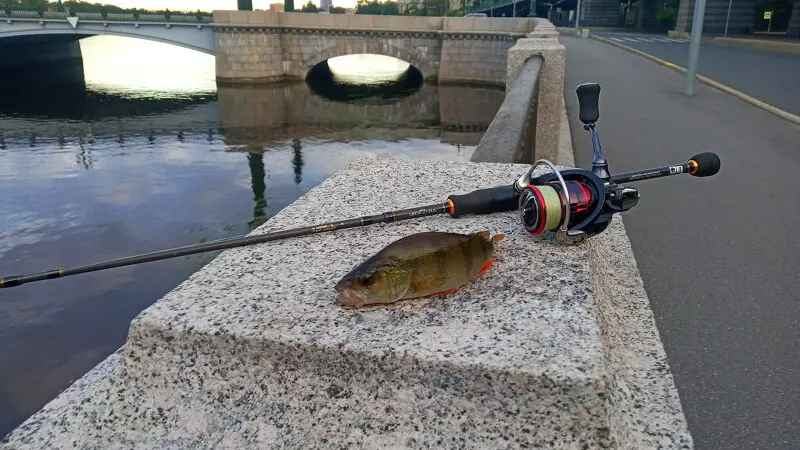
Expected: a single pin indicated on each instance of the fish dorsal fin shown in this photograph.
(484, 234)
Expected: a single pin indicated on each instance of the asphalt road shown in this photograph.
(772, 77)
(719, 256)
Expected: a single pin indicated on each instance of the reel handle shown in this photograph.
(588, 99)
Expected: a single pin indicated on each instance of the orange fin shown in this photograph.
(486, 267)
(497, 238)
(449, 291)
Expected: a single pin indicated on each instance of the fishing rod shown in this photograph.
(575, 203)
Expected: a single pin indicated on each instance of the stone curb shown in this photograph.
(715, 84)
(793, 47)
(640, 374)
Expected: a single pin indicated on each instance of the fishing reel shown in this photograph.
(578, 204)
(574, 203)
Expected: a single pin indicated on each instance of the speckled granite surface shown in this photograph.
(253, 351)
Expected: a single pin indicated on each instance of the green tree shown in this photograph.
(436, 7)
(375, 7)
(309, 7)
(337, 10)
(288, 5)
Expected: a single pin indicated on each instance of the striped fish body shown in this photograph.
(418, 265)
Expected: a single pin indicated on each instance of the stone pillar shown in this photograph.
(741, 21)
(794, 21)
(548, 98)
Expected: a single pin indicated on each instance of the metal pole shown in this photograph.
(694, 46)
(730, 2)
(578, 17)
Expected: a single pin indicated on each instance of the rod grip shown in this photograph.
(484, 201)
(13, 280)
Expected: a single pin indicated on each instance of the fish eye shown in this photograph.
(368, 280)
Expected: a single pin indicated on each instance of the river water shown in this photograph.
(146, 153)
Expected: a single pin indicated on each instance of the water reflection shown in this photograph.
(258, 183)
(125, 165)
(272, 113)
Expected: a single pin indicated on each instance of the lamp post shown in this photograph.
(727, 19)
(694, 46)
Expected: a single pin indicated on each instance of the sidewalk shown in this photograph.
(718, 256)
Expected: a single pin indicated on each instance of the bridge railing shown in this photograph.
(484, 5)
(527, 125)
(510, 136)
(122, 17)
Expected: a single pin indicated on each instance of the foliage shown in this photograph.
(668, 14)
(76, 6)
(309, 7)
(430, 8)
(337, 10)
(375, 7)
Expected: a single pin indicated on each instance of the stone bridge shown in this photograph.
(256, 46)
(47, 42)
(265, 46)
(189, 31)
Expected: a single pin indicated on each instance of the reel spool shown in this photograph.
(568, 202)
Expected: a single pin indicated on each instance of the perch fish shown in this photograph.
(419, 265)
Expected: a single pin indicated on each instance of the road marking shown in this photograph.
(645, 39)
(714, 84)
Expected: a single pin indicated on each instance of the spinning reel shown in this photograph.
(577, 203)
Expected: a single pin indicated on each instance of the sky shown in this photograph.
(208, 5)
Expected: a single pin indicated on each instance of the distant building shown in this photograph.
(325, 4)
(276, 7)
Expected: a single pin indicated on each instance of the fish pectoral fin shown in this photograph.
(485, 267)
(449, 291)
(497, 238)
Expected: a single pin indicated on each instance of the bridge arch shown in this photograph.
(375, 47)
(59, 33)
(198, 37)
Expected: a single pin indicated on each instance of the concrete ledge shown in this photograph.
(253, 351)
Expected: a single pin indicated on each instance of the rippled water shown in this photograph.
(145, 152)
